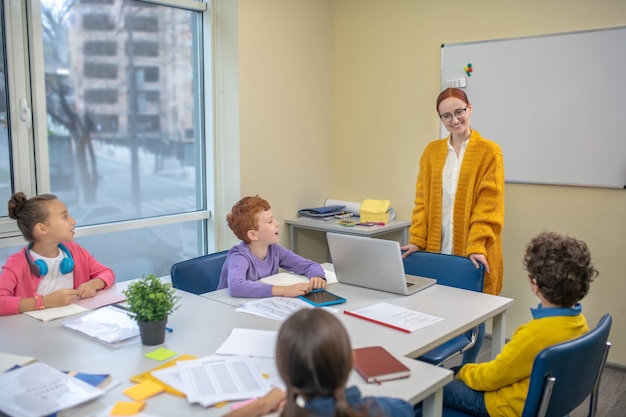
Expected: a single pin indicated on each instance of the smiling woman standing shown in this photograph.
(459, 199)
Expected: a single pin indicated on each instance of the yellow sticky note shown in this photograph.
(160, 354)
(127, 408)
(148, 374)
(143, 390)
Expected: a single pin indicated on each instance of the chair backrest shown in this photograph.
(198, 275)
(564, 375)
(450, 270)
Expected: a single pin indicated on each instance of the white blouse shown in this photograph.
(450, 180)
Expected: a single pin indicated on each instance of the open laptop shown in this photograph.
(372, 263)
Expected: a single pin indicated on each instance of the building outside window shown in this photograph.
(123, 133)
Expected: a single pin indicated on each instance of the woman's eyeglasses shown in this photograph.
(458, 113)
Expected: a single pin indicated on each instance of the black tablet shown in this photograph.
(321, 297)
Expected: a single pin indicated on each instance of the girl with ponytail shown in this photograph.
(314, 359)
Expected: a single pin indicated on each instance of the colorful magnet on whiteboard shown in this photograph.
(468, 69)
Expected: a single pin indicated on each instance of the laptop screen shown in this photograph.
(372, 263)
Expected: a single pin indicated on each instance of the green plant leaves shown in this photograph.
(151, 299)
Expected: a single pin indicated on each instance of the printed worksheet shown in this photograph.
(394, 316)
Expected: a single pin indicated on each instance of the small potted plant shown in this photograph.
(151, 301)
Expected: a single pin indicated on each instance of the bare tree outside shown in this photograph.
(63, 110)
(119, 76)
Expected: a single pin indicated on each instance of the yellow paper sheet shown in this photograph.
(127, 408)
(143, 390)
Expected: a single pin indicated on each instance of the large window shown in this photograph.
(124, 130)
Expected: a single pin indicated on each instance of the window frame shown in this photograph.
(30, 168)
(21, 139)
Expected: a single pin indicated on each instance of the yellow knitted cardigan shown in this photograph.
(478, 206)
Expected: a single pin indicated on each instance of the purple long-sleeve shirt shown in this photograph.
(242, 270)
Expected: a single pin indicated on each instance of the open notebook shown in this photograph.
(102, 298)
(288, 278)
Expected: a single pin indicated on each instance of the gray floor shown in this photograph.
(612, 399)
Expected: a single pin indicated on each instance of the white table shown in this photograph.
(335, 227)
(200, 327)
(462, 310)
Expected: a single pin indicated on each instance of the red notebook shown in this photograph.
(376, 364)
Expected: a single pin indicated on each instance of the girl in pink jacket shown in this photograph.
(52, 270)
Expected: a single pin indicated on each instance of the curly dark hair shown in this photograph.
(561, 266)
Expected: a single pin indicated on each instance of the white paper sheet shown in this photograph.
(215, 379)
(107, 324)
(249, 342)
(331, 277)
(352, 206)
(275, 308)
(170, 376)
(266, 366)
(395, 316)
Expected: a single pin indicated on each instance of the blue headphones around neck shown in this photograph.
(40, 268)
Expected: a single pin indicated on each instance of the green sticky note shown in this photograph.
(160, 354)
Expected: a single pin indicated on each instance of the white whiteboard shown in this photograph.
(556, 104)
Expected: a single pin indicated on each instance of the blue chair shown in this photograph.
(198, 275)
(453, 271)
(564, 375)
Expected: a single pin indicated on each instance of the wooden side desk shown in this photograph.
(335, 227)
(200, 326)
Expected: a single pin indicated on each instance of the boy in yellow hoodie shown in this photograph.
(560, 272)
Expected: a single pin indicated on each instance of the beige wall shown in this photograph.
(337, 100)
(285, 96)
